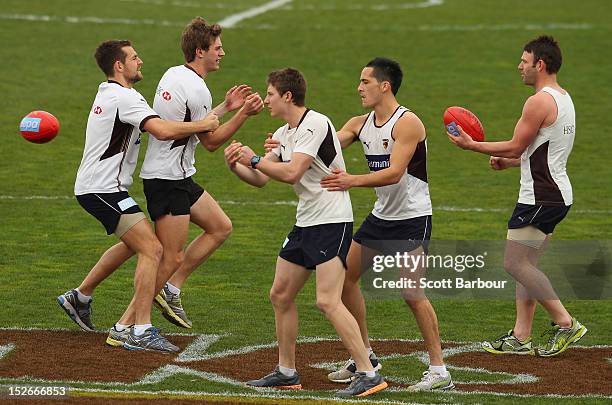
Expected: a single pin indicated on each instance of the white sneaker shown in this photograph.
(433, 381)
(349, 370)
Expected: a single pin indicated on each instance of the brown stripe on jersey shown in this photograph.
(418, 164)
(120, 138)
(183, 141)
(327, 151)
(545, 189)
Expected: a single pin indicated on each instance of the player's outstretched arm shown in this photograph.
(212, 141)
(166, 130)
(349, 133)
(245, 173)
(286, 172)
(407, 132)
(535, 110)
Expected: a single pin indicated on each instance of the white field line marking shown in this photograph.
(214, 377)
(195, 350)
(232, 20)
(178, 3)
(6, 349)
(170, 370)
(292, 203)
(374, 7)
(398, 28)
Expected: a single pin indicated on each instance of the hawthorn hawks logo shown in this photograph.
(97, 110)
(166, 96)
(385, 143)
(22, 355)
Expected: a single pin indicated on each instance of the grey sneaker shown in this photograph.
(561, 338)
(116, 338)
(149, 340)
(276, 379)
(171, 307)
(433, 381)
(508, 344)
(349, 370)
(362, 386)
(79, 312)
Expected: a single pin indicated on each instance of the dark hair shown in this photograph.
(198, 34)
(109, 52)
(292, 80)
(545, 48)
(387, 70)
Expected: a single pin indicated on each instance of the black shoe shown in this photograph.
(277, 379)
(362, 386)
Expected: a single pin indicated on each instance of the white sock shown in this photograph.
(370, 374)
(119, 327)
(370, 351)
(439, 370)
(140, 329)
(289, 372)
(174, 290)
(82, 297)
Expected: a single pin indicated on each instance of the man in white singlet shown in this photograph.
(308, 150)
(541, 144)
(112, 141)
(394, 144)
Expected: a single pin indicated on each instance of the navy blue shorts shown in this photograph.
(545, 218)
(403, 235)
(108, 207)
(170, 196)
(312, 245)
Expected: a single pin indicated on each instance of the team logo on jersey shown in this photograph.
(367, 144)
(166, 96)
(97, 110)
(137, 140)
(385, 143)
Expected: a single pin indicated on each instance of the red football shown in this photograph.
(39, 127)
(470, 123)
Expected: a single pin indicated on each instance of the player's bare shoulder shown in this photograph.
(409, 125)
(355, 123)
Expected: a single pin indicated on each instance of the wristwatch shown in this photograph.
(254, 160)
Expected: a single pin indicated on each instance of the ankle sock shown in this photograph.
(439, 370)
(82, 297)
(289, 372)
(140, 329)
(119, 327)
(173, 289)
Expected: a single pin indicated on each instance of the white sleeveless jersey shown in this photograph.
(409, 198)
(181, 95)
(315, 136)
(112, 139)
(544, 180)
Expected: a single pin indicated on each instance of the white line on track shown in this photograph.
(232, 20)
(292, 203)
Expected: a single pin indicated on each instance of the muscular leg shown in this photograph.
(110, 261)
(525, 307)
(351, 292)
(142, 240)
(517, 264)
(424, 312)
(172, 231)
(209, 216)
(288, 281)
(330, 280)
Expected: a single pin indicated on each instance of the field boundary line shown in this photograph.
(231, 20)
(293, 203)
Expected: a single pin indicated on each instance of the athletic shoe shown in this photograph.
(171, 307)
(276, 379)
(508, 344)
(149, 340)
(433, 381)
(76, 310)
(362, 386)
(561, 338)
(348, 371)
(116, 338)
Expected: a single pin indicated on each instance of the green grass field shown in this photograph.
(453, 53)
